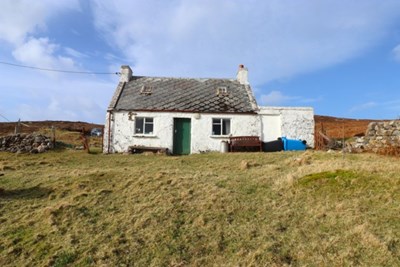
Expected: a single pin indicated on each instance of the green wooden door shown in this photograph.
(181, 136)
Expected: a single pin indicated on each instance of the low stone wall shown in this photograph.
(25, 143)
(379, 137)
(382, 135)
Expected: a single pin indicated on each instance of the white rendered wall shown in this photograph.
(295, 123)
(123, 123)
(271, 127)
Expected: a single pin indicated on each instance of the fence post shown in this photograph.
(18, 127)
(85, 140)
(53, 135)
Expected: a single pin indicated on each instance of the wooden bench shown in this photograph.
(141, 149)
(244, 141)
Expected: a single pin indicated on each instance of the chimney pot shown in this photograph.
(126, 73)
(242, 75)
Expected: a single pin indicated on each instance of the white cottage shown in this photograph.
(188, 115)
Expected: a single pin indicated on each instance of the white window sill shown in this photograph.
(145, 135)
(220, 136)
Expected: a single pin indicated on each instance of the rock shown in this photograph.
(38, 139)
(41, 149)
(387, 133)
(244, 165)
(360, 140)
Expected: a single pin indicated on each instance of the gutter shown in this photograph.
(109, 132)
(189, 111)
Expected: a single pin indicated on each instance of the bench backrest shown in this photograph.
(245, 140)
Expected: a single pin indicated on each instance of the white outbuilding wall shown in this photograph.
(290, 122)
(122, 134)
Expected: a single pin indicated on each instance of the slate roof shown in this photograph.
(183, 94)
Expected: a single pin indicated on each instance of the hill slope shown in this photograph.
(341, 127)
(7, 128)
(250, 209)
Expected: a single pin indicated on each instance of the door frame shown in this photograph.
(174, 136)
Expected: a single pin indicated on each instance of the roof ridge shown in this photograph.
(183, 78)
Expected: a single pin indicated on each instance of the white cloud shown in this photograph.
(377, 107)
(19, 18)
(275, 98)
(311, 100)
(364, 106)
(42, 53)
(38, 95)
(275, 38)
(74, 53)
(396, 52)
(66, 97)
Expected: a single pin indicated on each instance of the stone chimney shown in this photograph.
(242, 75)
(126, 73)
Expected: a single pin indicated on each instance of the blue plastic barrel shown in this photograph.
(291, 144)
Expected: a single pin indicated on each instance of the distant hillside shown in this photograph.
(341, 127)
(32, 126)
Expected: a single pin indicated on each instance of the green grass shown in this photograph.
(70, 208)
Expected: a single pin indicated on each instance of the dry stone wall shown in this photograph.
(25, 143)
(382, 134)
(379, 137)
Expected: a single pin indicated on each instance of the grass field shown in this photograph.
(70, 208)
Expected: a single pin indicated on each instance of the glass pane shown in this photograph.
(226, 126)
(149, 120)
(216, 129)
(139, 125)
(148, 128)
(216, 121)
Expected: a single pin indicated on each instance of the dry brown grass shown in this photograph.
(338, 128)
(391, 150)
(72, 138)
(249, 209)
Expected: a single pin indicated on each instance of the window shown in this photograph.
(146, 90)
(144, 125)
(221, 126)
(222, 91)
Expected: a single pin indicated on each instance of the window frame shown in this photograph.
(146, 121)
(146, 90)
(222, 91)
(221, 122)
